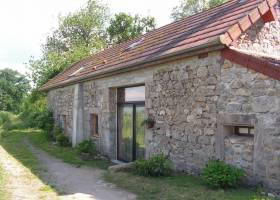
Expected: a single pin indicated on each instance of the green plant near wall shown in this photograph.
(158, 165)
(62, 140)
(87, 147)
(149, 122)
(218, 174)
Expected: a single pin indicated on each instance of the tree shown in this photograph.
(82, 33)
(79, 34)
(124, 27)
(13, 88)
(191, 7)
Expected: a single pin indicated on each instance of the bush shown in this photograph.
(158, 165)
(62, 140)
(9, 121)
(35, 112)
(87, 147)
(218, 174)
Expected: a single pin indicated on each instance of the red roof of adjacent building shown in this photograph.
(265, 65)
(219, 26)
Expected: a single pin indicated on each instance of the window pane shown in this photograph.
(140, 132)
(94, 125)
(243, 130)
(135, 94)
(252, 131)
(125, 133)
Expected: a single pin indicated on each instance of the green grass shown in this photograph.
(3, 193)
(67, 154)
(177, 187)
(13, 143)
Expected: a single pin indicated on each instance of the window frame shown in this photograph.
(62, 120)
(94, 125)
(249, 134)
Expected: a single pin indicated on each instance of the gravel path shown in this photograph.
(72, 183)
(81, 183)
(21, 183)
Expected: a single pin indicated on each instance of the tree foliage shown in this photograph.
(13, 87)
(191, 7)
(124, 27)
(82, 33)
(78, 35)
(35, 112)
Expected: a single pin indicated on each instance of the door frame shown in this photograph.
(134, 104)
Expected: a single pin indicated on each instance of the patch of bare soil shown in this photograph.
(21, 183)
(79, 183)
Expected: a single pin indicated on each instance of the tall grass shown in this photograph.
(8, 122)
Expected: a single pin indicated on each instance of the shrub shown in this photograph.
(158, 165)
(218, 174)
(9, 121)
(35, 112)
(62, 140)
(87, 147)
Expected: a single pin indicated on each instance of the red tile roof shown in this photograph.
(265, 65)
(218, 26)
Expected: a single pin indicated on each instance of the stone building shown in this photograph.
(208, 86)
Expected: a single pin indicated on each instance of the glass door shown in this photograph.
(125, 133)
(139, 131)
(131, 131)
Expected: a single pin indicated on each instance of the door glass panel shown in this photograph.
(135, 94)
(140, 132)
(131, 94)
(125, 137)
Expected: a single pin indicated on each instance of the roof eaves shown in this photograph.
(211, 45)
(258, 64)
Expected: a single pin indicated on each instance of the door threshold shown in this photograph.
(118, 162)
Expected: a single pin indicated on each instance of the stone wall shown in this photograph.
(239, 151)
(263, 38)
(193, 101)
(246, 92)
(182, 99)
(61, 102)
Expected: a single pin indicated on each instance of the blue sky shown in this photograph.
(26, 23)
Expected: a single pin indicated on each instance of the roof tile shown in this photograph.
(226, 22)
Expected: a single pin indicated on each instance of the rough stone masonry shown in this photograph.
(196, 103)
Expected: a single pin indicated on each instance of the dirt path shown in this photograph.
(21, 183)
(77, 183)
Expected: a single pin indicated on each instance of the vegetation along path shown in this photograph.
(71, 182)
(79, 182)
(21, 184)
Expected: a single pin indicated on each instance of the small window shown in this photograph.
(94, 125)
(244, 131)
(63, 122)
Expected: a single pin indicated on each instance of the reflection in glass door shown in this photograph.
(125, 133)
(131, 131)
(140, 131)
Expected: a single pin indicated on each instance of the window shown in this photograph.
(244, 131)
(63, 123)
(94, 125)
(131, 94)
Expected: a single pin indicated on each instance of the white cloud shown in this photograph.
(25, 24)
